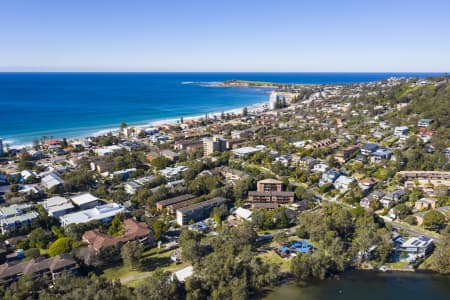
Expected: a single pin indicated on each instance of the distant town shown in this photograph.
(320, 180)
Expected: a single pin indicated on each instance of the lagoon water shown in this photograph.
(80, 104)
(366, 285)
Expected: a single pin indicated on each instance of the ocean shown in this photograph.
(83, 104)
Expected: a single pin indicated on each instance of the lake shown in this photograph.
(367, 285)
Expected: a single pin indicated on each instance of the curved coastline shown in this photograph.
(97, 103)
(83, 132)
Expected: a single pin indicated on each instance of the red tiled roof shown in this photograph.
(52, 142)
(132, 230)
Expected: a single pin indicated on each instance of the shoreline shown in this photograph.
(103, 130)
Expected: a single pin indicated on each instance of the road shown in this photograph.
(414, 231)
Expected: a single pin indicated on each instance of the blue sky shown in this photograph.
(244, 35)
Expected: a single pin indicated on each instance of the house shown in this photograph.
(124, 174)
(284, 159)
(425, 134)
(159, 138)
(343, 183)
(38, 267)
(107, 150)
(172, 156)
(198, 211)
(401, 130)
(25, 174)
(425, 203)
(132, 231)
(86, 201)
(320, 168)
(329, 176)
(15, 216)
(344, 155)
(132, 187)
(172, 204)
(57, 206)
(381, 155)
(369, 148)
(103, 213)
(241, 153)
(424, 123)
(102, 165)
(392, 198)
(171, 172)
(306, 163)
(418, 245)
(299, 144)
(367, 202)
(232, 176)
(367, 184)
(51, 180)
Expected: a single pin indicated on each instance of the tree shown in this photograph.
(402, 210)
(160, 162)
(60, 246)
(219, 214)
(441, 257)
(242, 187)
(159, 286)
(283, 221)
(158, 229)
(434, 220)
(384, 244)
(32, 253)
(306, 266)
(38, 238)
(132, 254)
(231, 271)
(190, 245)
(365, 235)
(281, 237)
(116, 228)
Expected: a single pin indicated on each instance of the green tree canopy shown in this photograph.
(60, 246)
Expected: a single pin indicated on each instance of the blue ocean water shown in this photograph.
(80, 104)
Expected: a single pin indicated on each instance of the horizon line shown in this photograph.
(292, 72)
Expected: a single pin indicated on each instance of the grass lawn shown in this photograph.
(426, 264)
(398, 265)
(143, 275)
(151, 260)
(117, 272)
(274, 258)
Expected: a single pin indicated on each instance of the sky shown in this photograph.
(230, 36)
